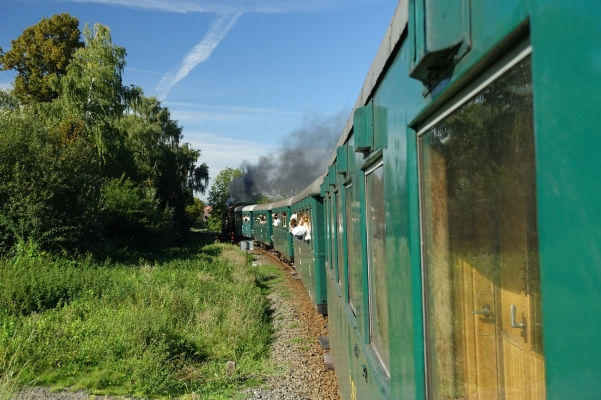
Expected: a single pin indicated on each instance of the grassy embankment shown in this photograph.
(161, 328)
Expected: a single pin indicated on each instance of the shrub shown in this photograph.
(151, 330)
(49, 188)
(133, 216)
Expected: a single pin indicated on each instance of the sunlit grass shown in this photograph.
(159, 328)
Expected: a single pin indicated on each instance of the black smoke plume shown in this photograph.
(302, 156)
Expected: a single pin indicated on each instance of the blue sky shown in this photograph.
(239, 75)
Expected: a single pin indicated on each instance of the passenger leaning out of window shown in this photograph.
(307, 225)
(300, 230)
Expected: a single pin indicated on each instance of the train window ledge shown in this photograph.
(372, 159)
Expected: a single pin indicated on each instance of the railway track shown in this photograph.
(319, 382)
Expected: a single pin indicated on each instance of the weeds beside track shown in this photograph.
(155, 328)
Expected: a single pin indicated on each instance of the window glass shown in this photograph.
(327, 231)
(483, 314)
(340, 235)
(349, 240)
(376, 254)
(333, 235)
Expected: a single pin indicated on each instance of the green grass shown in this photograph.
(164, 326)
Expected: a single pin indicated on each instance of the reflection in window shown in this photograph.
(333, 235)
(481, 261)
(339, 235)
(377, 272)
(350, 248)
(326, 207)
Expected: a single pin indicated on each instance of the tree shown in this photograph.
(92, 90)
(41, 54)
(195, 212)
(100, 161)
(162, 160)
(219, 193)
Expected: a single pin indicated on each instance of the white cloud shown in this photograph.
(200, 53)
(6, 85)
(235, 6)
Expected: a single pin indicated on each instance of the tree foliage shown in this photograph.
(195, 213)
(92, 90)
(49, 190)
(94, 164)
(219, 193)
(41, 54)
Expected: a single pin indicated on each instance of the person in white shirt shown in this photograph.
(276, 221)
(299, 231)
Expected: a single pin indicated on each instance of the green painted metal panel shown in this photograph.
(402, 226)
(441, 32)
(342, 159)
(247, 227)
(263, 232)
(332, 175)
(282, 240)
(310, 256)
(566, 62)
(363, 128)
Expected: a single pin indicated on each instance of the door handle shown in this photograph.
(485, 311)
(514, 324)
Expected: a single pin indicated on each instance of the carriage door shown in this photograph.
(482, 287)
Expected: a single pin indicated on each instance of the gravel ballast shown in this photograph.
(296, 349)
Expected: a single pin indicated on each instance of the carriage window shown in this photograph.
(334, 235)
(484, 325)
(350, 253)
(376, 266)
(339, 235)
(326, 207)
(308, 225)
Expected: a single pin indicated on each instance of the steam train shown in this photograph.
(456, 235)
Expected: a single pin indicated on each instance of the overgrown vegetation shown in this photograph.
(94, 170)
(86, 163)
(162, 327)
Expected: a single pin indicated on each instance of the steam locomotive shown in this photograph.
(456, 234)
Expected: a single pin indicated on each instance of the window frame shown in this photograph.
(379, 162)
(496, 70)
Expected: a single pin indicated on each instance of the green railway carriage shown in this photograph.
(282, 240)
(309, 251)
(247, 221)
(461, 207)
(262, 227)
(457, 222)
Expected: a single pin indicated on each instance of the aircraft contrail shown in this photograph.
(201, 52)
